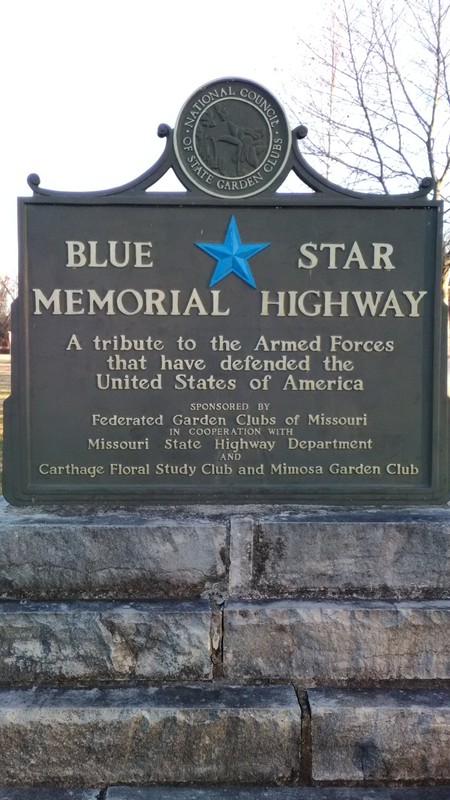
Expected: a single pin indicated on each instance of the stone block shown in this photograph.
(333, 642)
(367, 553)
(380, 736)
(101, 641)
(163, 735)
(137, 555)
(276, 793)
(49, 794)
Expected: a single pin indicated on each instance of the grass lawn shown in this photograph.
(5, 386)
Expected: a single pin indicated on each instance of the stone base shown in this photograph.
(30, 793)
(94, 642)
(143, 647)
(380, 736)
(259, 552)
(178, 734)
(230, 793)
(50, 794)
(332, 642)
(226, 793)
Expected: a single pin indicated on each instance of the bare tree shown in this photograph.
(8, 291)
(378, 96)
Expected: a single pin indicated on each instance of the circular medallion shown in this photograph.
(232, 138)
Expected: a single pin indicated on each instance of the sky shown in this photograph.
(85, 84)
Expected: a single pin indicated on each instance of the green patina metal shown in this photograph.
(230, 343)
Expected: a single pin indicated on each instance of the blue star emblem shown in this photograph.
(232, 255)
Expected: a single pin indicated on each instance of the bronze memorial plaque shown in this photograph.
(232, 139)
(229, 343)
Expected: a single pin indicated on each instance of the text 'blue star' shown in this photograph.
(232, 255)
